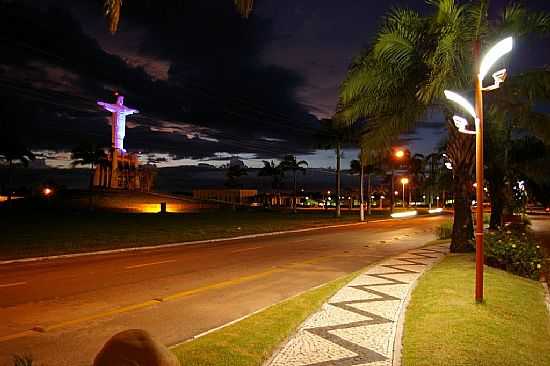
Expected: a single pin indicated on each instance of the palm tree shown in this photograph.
(414, 58)
(333, 136)
(234, 172)
(433, 162)
(88, 154)
(512, 113)
(417, 172)
(356, 168)
(270, 169)
(290, 163)
(369, 165)
(13, 151)
(112, 10)
(461, 152)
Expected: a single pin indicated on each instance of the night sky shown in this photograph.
(208, 83)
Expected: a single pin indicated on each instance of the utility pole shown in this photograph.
(338, 183)
(361, 189)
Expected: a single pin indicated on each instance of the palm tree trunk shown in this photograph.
(338, 182)
(461, 149)
(90, 193)
(392, 188)
(368, 195)
(10, 175)
(294, 200)
(361, 190)
(463, 228)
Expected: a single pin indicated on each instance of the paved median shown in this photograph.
(360, 323)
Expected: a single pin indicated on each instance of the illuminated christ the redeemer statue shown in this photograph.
(120, 111)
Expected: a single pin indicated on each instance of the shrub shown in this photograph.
(445, 230)
(514, 251)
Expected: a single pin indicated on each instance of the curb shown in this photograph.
(173, 245)
(206, 332)
(398, 338)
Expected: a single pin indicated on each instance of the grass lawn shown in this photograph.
(444, 326)
(252, 340)
(36, 233)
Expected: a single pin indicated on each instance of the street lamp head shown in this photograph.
(399, 154)
(500, 49)
(461, 124)
(461, 101)
(404, 181)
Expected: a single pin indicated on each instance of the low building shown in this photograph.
(226, 195)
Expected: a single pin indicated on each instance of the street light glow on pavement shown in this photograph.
(399, 215)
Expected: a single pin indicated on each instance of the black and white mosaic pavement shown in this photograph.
(358, 325)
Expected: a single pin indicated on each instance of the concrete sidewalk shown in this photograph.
(361, 324)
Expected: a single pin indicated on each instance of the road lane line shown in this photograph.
(159, 300)
(16, 335)
(149, 264)
(245, 249)
(12, 284)
(219, 285)
(116, 311)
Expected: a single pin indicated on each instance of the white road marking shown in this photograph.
(149, 264)
(12, 284)
(245, 249)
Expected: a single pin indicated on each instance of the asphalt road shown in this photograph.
(62, 311)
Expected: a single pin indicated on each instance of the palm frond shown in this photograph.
(518, 21)
(112, 9)
(244, 7)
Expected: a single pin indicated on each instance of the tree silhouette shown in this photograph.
(290, 163)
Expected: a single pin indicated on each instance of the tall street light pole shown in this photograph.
(398, 154)
(479, 178)
(496, 52)
(403, 182)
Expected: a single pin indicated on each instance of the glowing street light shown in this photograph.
(461, 101)
(495, 53)
(47, 192)
(397, 154)
(500, 49)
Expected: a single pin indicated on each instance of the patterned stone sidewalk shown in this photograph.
(358, 325)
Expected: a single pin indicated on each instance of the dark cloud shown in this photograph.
(56, 67)
(204, 79)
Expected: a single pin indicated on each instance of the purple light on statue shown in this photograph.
(119, 111)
